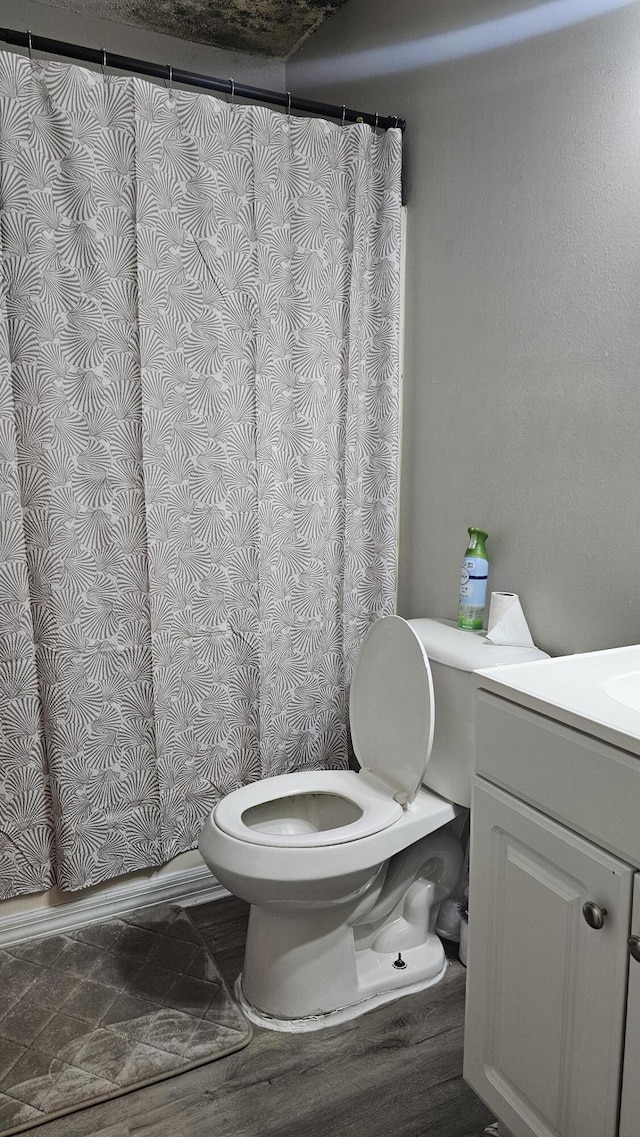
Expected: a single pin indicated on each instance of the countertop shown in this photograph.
(571, 689)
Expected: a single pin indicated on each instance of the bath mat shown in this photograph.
(91, 1014)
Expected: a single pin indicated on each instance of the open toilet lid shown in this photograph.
(391, 706)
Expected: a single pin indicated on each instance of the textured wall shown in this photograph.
(522, 393)
(123, 39)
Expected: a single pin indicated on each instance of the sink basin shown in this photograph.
(625, 689)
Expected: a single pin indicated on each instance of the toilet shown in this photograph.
(345, 870)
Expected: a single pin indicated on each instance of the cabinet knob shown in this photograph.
(634, 947)
(594, 915)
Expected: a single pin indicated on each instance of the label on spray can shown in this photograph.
(473, 590)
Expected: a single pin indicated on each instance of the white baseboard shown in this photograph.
(188, 886)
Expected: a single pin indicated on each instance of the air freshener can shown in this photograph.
(473, 582)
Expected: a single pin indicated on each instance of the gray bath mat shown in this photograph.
(91, 1014)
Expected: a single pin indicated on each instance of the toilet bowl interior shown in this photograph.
(302, 813)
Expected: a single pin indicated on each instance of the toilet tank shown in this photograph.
(454, 654)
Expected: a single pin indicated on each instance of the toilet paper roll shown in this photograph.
(507, 622)
(499, 605)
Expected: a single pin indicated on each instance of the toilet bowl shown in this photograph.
(344, 870)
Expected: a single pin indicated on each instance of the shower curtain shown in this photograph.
(198, 456)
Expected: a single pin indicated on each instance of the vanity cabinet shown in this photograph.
(552, 1037)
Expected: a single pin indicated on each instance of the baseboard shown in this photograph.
(194, 885)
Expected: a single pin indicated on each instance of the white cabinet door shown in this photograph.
(630, 1111)
(546, 993)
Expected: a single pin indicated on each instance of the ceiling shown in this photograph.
(264, 27)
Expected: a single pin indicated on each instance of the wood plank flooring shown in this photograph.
(396, 1070)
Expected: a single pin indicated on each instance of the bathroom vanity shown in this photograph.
(552, 1039)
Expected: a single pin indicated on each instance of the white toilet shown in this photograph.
(345, 870)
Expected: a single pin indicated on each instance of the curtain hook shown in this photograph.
(375, 125)
(232, 91)
(344, 112)
(30, 46)
(169, 80)
(104, 63)
(396, 120)
(288, 102)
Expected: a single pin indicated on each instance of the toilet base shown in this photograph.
(306, 964)
(377, 965)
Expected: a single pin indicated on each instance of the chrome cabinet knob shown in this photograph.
(634, 947)
(594, 915)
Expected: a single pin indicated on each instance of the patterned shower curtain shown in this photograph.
(198, 456)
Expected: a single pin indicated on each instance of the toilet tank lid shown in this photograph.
(446, 643)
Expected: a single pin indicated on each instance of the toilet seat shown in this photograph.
(392, 720)
(392, 707)
(377, 807)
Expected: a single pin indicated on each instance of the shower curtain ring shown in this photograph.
(104, 63)
(344, 111)
(375, 125)
(232, 91)
(169, 80)
(288, 102)
(30, 46)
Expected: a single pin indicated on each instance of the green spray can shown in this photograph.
(473, 582)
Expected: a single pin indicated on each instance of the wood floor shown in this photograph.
(395, 1071)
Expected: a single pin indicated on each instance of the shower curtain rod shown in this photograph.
(191, 79)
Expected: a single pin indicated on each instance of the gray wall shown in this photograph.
(522, 391)
(74, 27)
